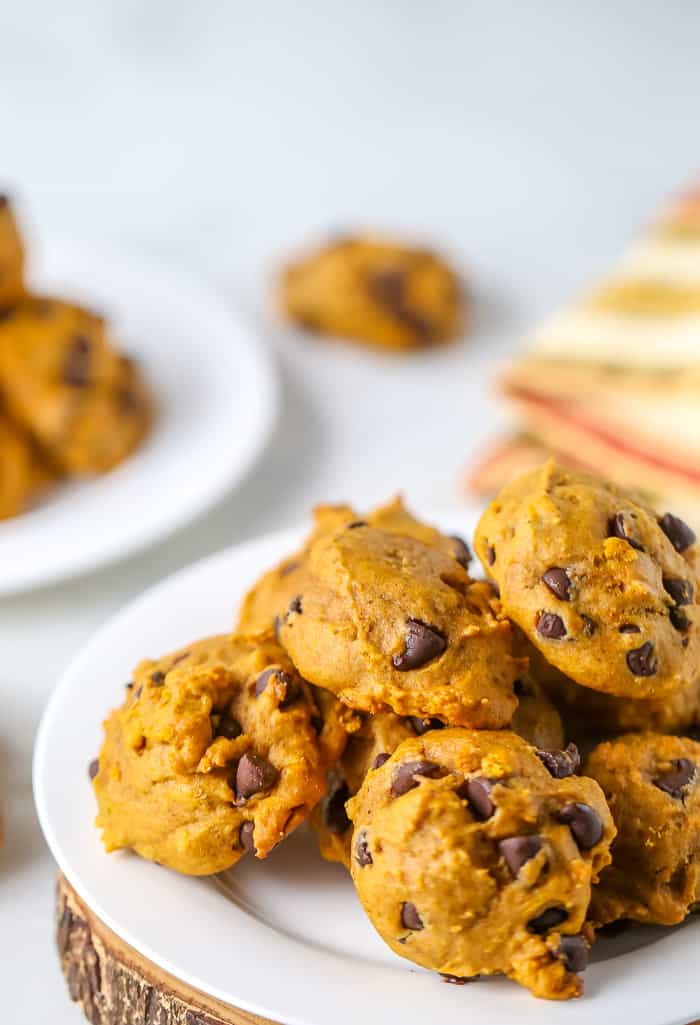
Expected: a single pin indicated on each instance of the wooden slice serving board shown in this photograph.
(115, 985)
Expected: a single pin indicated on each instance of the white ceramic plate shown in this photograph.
(286, 938)
(216, 395)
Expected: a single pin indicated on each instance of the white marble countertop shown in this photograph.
(528, 140)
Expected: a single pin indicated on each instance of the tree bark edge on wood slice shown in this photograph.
(115, 985)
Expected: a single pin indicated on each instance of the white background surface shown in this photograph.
(529, 140)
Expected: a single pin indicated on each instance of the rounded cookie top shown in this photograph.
(471, 858)
(215, 752)
(535, 719)
(387, 622)
(600, 584)
(652, 786)
(83, 403)
(272, 593)
(375, 291)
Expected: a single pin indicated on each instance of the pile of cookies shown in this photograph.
(70, 404)
(426, 724)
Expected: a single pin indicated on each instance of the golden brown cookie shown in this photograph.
(272, 593)
(24, 477)
(215, 752)
(651, 784)
(599, 583)
(588, 713)
(84, 404)
(387, 622)
(470, 858)
(377, 292)
(11, 258)
(535, 719)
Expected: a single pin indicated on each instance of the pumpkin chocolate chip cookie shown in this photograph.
(385, 295)
(471, 858)
(604, 588)
(651, 784)
(535, 719)
(271, 594)
(215, 752)
(83, 403)
(387, 622)
(11, 258)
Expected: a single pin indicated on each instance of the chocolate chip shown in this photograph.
(356, 524)
(158, 678)
(93, 768)
(680, 590)
(573, 953)
(547, 920)
(584, 822)
(459, 980)
(380, 760)
(363, 855)
(674, 783)
(404, 777)
(550, 626)
(589, 627)
(517, 850)
(76, 369)
(679, 620)
(522, 689)
(558, 582)
(463, 554)
(642, 661)
(679, 533)
(265, 677)
(477, 793)
(422, 644)
(129, 685)
(560, 764)
(139, 692)
(421, 726)
(490, 554)
(410, 919)
(295, 605)
(334, 814)
(388, 288)
(245, 837)
(254, 775)
(228, 727)
(630, 628)
(618, 528)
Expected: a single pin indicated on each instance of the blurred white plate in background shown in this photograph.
(286, 938)
(216, 397)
